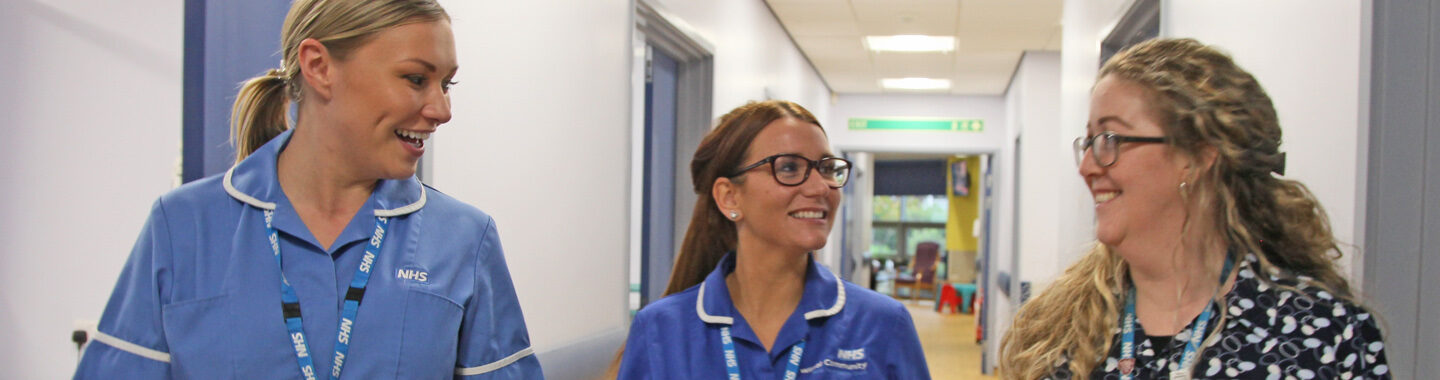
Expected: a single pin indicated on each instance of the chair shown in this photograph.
(922, 270)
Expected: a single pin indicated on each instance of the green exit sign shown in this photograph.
(916, 124)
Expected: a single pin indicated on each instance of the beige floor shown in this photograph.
(949, 342)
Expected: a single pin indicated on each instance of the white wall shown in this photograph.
(1318, 83)
(862, 188)
(990, 140)
(754, 57)
(541, 137)
(540, 140)
(1033, 110)
(989, 108)
(1035, 99)
(1086, 23)
(754, 60)
(87, 149)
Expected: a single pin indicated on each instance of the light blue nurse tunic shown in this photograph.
(849, 333)
(199, 297)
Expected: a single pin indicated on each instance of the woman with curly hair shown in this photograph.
(1208, 263)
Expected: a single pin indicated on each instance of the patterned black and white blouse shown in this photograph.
(1270, 333)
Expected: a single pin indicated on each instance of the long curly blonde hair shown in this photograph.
(1202, 100)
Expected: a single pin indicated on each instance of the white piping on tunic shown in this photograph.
(133, 348)
(700, 309)
(835, 309)
(403, 209)
(230, 188)
(839, 303)
(498, 364)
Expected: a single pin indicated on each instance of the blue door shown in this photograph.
(657, 253)
(226, 43)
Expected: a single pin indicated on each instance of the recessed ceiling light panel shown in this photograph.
(910, 43)
(915, 83)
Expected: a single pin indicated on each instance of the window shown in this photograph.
(902, 221)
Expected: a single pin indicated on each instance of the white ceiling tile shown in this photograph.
(991, 40)
(992, 35)
(826, 48)
(808, 2)
(1004, 60)
(883, 18)
(990, 83)
(904, 65)
(854, 85)
(1056, 37)
(817, 19)
(848, 67)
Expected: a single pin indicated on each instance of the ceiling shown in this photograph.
(990, 36)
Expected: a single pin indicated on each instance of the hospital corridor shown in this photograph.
(718, 189)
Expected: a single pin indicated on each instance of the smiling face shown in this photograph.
(1137, 199)
(775, 216)
(389, 94)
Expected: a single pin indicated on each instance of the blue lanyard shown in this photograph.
(732, 363)
(290, 304)
(1197, 333)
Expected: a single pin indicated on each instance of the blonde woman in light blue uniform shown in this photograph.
(319, 254)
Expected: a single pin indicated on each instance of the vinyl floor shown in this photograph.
(949, 342)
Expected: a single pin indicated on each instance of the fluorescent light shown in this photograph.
(911, 43)
(915, 83)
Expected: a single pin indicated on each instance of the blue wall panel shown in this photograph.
(226, 42)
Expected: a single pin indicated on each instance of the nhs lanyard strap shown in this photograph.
(1197, 334)
(290, 303)
(732, 363)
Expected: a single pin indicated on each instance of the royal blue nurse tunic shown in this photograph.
(849, 333)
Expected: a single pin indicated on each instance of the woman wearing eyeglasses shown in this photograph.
(747, 299)
(1208, 264)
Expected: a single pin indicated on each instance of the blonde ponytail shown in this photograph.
(262, 107)
(260, 112)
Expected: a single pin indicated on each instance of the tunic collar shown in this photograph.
(824, 294)
(254, 181)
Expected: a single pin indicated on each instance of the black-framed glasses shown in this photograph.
(794, 169)
(1105, 147)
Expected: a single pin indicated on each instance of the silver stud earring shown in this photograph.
(734, 215)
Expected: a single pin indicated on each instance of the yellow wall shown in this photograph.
(963, 210)
(960, 240)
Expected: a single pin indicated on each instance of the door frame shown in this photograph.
(656, 29)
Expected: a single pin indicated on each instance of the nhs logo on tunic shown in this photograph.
(846, 361)
(413, 274)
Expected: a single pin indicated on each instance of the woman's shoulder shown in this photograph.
(857, 295)
(1292, 321)
(1296, 305)
(671, 308)
(449, 210)
(203, 191)
(196, 200)
(865, 301)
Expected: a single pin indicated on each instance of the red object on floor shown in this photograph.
(948, 296)
(979, 327)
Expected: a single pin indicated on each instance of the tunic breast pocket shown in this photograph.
(197, 333)
(430, 336)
